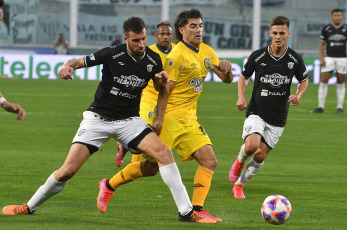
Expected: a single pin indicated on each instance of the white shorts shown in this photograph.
(270, 134)
(338, 64)
(96, 131)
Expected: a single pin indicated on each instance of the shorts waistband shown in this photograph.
(112, 120)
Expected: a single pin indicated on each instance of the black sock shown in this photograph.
(109, 186)
(197, 208)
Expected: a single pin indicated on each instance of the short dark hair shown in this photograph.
(163, 23)
(183, 18)
(279, 20)
(336, 10)
(1, 3)
(134, 24)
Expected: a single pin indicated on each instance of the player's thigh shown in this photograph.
(93, 132)
(272, 135)
(330, 65)
(193, 138)
(152, 146)
(341, 65)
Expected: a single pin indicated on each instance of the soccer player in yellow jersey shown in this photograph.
(149, 95)
(187, 66)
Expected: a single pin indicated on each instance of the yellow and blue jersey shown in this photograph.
(149, 94)
(187, 67)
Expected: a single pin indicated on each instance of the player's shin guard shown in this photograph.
(130, 173)
(340, 92)
(202, 184)
(251, 169)
(172, 178)
(50, 188)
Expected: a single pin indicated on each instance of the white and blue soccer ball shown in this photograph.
(276, 209)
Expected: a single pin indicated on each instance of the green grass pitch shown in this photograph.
(308, 165)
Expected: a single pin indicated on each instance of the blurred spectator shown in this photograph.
(1, 5)
(117, 41)
(60, 45)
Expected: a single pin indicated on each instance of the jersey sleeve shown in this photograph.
(174, 64)
(158, 68)
(214, 57)
(301, 73)
(97, 58)
(249, 67)
(323, 35)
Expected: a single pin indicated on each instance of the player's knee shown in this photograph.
(65, 174)
(164, 155)
(251, 148)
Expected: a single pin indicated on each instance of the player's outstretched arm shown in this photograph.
(69, 66)
(223, 71)
(165, 87)
(295, 99)
(12, 108)
(241, 103)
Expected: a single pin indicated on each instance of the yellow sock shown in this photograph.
(136, 157)
(130, 173)
(202, 184)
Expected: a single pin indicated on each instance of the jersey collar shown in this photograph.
(190, 47)
(144, 54)
(276, 58)
(163, 51)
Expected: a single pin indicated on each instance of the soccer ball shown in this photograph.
(276, 209)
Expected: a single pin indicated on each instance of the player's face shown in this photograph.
(337, 18)
(192, 32)
(164, 37)
(279, 35)
(136, 43)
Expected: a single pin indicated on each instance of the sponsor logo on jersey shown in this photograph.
(121, 63)
(151, 59)
(265, 93)
(337, 37)
(275, 80)
(262, 64)
(197, 83)
(292, 57)
(290, 65)
(149, 68)
(194, 65)
(118, 92)
(261, 55)
(118, 55)
(131, 81)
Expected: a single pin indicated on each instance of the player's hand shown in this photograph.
(322, 62)
(66, 72)
(224, 66)
(294, 99)
(156, 126)
(14, 108)
(241, 104)
(162, 78)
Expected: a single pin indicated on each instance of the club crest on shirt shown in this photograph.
(170, 63)
(208, 63)
(149, 68)
(290, 65)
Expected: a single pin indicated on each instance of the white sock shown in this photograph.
(172, 178)
(322, 94)
(242, 155)
(50, 188)
(340, 92)
(251, 169)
